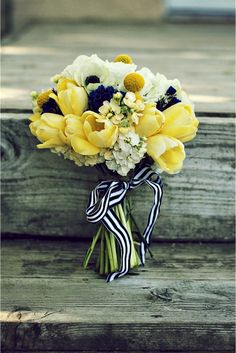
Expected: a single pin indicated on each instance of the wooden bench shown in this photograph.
(183, 299)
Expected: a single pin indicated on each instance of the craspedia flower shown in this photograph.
(124, 58)
(43, 98)
(134, 82)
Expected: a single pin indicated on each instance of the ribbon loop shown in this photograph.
(108, 194)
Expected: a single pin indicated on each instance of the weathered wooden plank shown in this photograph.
(63, 259)
(194, 55)
(43, 194)
(152, 312)
(160, 36)
(215, 95)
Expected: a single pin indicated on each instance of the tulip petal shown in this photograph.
(104, 138)
(35, 117)
(98, 133)
(54, 120)
(180, 122)
(150, 122)
(51, 143)
(167, 152)
(65, 83)
(74, 126)
(83, 147)
(79, 100)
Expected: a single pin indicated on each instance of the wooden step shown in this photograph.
(181, 301)
(200, 56)
(42, 193)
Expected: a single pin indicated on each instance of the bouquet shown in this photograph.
(130, 124)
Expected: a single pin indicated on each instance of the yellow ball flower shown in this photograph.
(134, 82)
(43, 98)
(124, 58)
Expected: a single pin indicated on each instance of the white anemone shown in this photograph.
(85, 66)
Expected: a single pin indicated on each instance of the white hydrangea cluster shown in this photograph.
(79, 159)
(128, 150)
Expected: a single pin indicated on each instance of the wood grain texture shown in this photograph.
(43, 194)
(60, 305)
(202, 57)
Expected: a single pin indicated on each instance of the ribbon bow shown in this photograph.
(108, 194)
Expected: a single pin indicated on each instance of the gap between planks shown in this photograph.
(200, 114)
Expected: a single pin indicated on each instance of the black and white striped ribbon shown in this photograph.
(108, 194)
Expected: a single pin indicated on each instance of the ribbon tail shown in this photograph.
(157, 188)
(113, 224)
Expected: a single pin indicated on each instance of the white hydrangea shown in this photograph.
(127, 152)
(77, 158)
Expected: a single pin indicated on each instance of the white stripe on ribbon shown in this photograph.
(106, 195)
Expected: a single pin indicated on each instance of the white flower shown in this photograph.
(150, 89)
(118, 71)
(133, 138)
(130, 99)
(115, 107)
(86, 66)
(105, 108)
(135, 118)
(77, 158)
(116, 119)
(157, 85)
(128, 151)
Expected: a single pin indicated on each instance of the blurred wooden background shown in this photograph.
(16, 14)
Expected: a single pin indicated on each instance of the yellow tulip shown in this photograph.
(83, 146)
(49, 129)
(167, 152)
(100, 133)
(150, 122)
(74, 126)
(35, 117)
(76, 137)
(70, 98)
(65, 83)
(180, 122)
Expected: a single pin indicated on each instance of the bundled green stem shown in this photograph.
(109, 252)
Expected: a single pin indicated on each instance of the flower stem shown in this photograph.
(101, 256)
(109, 250)
(91, 248)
